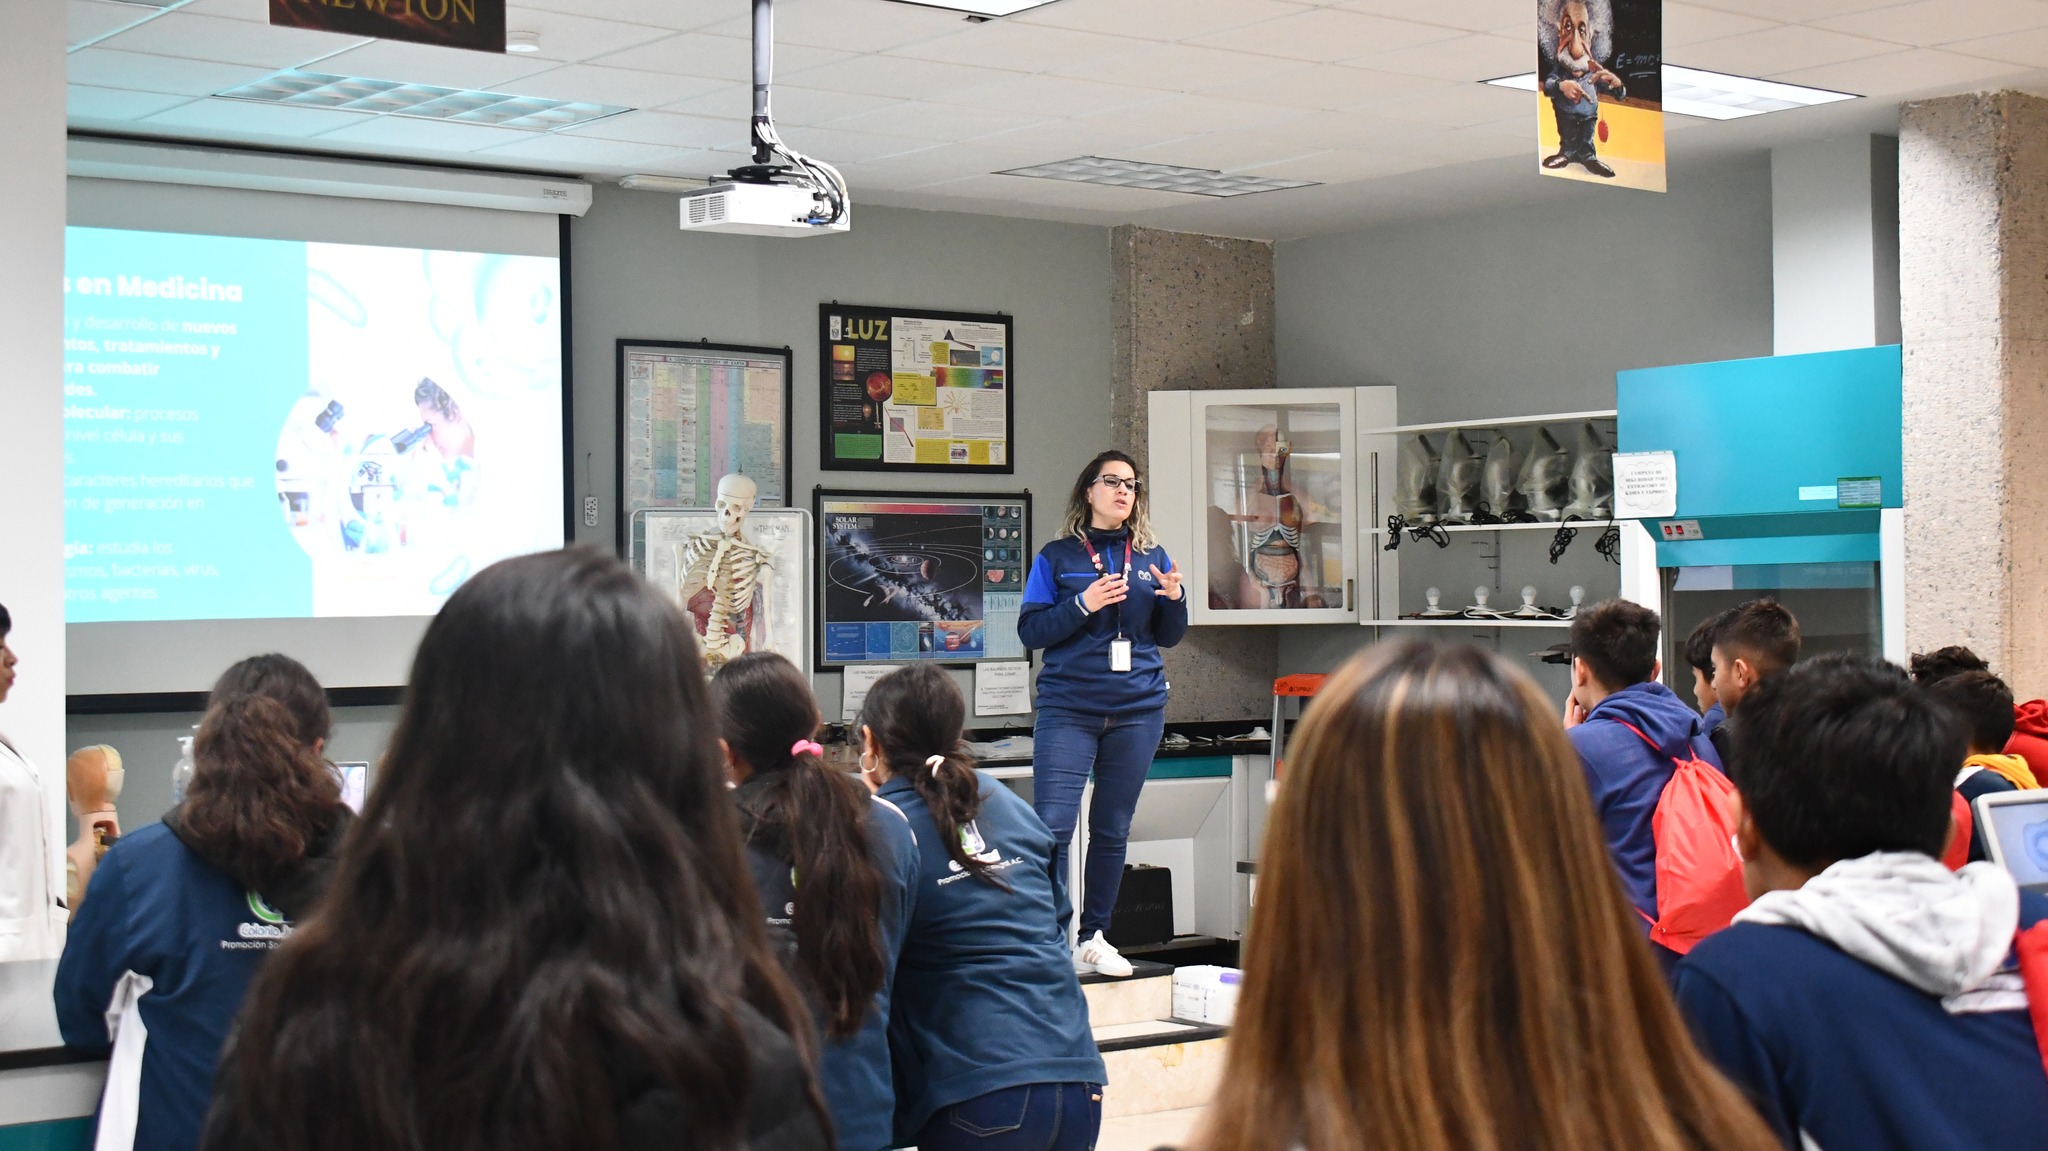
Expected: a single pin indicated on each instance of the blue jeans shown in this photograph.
(1067, 746)
(1037, 1117)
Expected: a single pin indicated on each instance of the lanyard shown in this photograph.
(1097, 561)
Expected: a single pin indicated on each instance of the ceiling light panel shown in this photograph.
(421, 101)
(981, 7)
(1716, 95)
(1155, 177)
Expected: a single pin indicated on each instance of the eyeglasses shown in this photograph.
(1119, 483)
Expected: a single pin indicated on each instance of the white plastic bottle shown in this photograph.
(181, 775)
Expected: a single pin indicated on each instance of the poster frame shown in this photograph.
(799, 581)
(828, 458)
(821, 564)
(623, 526)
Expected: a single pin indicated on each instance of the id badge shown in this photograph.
(1119, 654)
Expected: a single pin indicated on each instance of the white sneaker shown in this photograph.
(1098, 956)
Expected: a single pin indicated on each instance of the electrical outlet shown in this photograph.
(590, 511)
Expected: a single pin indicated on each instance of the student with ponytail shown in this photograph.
(988, 1028)
(834, 869)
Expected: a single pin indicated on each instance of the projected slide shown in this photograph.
(262, 429)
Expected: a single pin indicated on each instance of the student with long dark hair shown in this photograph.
(987, 1023)
(184, 912)
(834, 868)
(1102, 600)
(542, 935)
(1440, 958)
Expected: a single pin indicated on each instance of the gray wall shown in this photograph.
(633, 274)
(1522, 311)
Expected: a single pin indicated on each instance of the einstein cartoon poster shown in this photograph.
(1600, 104)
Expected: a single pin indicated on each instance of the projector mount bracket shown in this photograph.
(825, 183)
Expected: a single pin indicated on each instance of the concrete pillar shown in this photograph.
(1195, 313)
(1973, 225)
(31, 391)
(1835, 244)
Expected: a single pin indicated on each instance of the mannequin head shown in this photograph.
(93, 777)
(736, 496)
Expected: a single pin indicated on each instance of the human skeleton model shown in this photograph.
(722, 579)
(92, 779)
(1273, 568)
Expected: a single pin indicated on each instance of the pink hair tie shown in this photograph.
(804, 745)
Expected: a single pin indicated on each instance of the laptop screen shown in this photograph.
(2021, 831)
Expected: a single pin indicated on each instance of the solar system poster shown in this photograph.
(915, 391)
(913, 576)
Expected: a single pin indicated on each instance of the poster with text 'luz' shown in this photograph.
(906, 390)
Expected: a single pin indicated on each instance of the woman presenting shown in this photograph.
(1102, 599)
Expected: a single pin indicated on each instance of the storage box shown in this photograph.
(1144, 908)
(1205, 994)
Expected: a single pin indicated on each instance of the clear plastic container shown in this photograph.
(181, 775)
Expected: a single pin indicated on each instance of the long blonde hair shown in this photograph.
(1078, 511)
(1441, 958)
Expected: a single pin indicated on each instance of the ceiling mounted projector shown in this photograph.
(796, 197)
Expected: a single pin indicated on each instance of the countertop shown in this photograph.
(28, 1018)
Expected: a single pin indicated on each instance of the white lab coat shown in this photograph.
(32, 914)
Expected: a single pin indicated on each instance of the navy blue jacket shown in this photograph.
(986, 996)
(155, 907)
(1823, 1043)
(1627, 777)
(1076, 674)
(853, 1072)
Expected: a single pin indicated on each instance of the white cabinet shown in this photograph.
(1255, 493)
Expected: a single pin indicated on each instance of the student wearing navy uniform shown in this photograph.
(185, 912)
(988, 1028)
(834, 868)
(1102, 600)
(1868, 997)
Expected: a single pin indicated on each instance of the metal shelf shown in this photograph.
(1545, 525)
(1483, 425)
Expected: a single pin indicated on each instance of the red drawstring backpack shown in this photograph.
(2032, 945)
(1699, 875)
(1964, 825)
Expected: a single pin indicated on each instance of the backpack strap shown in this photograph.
(1654, 746)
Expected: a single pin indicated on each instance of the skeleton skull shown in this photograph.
(736, 496)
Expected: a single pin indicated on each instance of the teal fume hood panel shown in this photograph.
(1763, 447)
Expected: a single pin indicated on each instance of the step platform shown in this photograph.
(1156, 1063)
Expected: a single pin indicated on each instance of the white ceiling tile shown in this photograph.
(891, 76)
(244, 117)
(1468, 15)
(426, 64)
(729, 58)
(1913, 70)
(1192, 115)
(227, 41)
(2028, 48)
(1324, 86)
(134, 71)
(623, 87)
(791, 105)
(1689, 24)
(934, 165)
(1461, 107)
(676, 15)
(666, 128)
(1015, 47)
(1054, 95)
(1363, 128)
(702, 164)
(1163, 20)
(1343, 166)
(1223, 151)
(1468, 59)
(86, 103)
(1177, 67)
(89, 20)
(410, 133)
(257, 10)
(1062, 192)
(1805, 10)
(562, 148)
(1935, 22)
(1066, 139)
(1781, 49)
(939, 123)
(848, 25)
(1328, 35)
(838, 146)
(574, 38)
